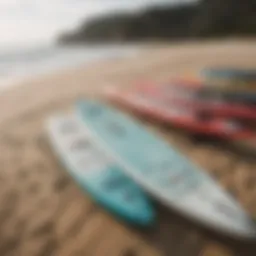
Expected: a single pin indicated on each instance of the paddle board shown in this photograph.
(163, 172)
(181, 116)
(231, 73)
(96, 172)
(206, 91)
(212, 107)
(180, 94)
(230, 79)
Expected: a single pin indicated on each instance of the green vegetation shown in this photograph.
(207, 18)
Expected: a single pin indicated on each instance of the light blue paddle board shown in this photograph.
(163, 172)
(96, 172)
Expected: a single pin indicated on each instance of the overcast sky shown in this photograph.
(31, 21)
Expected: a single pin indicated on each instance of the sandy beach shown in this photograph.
(36, 216)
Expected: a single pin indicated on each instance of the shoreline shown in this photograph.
(65, 59)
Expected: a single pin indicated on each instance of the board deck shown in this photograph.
(182, 116)
(97, 173)
(164, 172)
(174, 94)
(210, 91)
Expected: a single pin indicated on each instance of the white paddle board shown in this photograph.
(97, 173)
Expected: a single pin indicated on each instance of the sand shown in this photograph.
(44, 213)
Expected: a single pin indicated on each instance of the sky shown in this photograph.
(32, 21)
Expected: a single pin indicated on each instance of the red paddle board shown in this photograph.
(180, 117)
(183, 94)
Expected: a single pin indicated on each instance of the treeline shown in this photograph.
(207, 18)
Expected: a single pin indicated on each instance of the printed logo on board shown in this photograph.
(116, 129)
(80, 144)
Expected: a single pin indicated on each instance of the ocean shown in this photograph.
(19, 64)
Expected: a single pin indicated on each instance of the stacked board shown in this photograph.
(180, 103)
